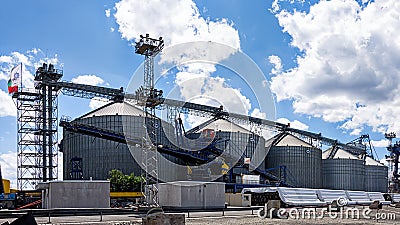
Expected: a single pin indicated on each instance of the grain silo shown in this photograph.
(376, 176)
(237, 141)
(94, 157)
(343, 172)
(302, 160)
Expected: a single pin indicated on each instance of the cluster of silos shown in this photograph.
(98, 156)
(347, 172)
(301, 160)
(307, 167)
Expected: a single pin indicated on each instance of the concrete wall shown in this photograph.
(75, 194)
(192, 195)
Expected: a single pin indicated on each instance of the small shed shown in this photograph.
(75, 194)
(192, 195)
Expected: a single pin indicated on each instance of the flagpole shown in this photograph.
(21, 76)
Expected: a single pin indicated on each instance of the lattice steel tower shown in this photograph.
(37, 129)
(148, 97)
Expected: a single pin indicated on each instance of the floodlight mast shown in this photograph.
(393, 159)
(148, 97)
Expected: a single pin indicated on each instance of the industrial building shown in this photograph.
(348, 172)
(88, 157)
(301, 159)
(128, 135)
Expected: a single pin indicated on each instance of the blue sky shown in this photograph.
(322, 59)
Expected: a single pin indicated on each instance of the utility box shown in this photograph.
(238, 199)
(192, 195)
(75, 194)
(249, 179)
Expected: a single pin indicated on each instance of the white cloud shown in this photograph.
(7, 107)
(294, 124)
(349, 67)
(31, 59)
(22, 58)
(257, 113)
(176, 21)
(212, 91)
(97, 102)
(277, 63)
(88, 79)
(383, 143)
(92, 80)
(6, 59)
(275, 6)
(183, 23)
(107, 12)
(8, 162)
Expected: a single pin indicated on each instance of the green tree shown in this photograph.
(122, 182)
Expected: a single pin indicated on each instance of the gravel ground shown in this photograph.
(230, 218)
(258, 221)
(370, 218)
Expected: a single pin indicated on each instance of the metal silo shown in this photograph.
(98, 156)
(236, 142)
(94, 156)
(344, 172)
(302, 161)
(376, 176)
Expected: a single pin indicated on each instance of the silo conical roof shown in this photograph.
(372, 162)
(225, 125)
(340, 154)
(115, 108)
(286, 139)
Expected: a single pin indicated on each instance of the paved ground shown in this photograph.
(391, 214)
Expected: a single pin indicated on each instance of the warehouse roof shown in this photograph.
(115, 108)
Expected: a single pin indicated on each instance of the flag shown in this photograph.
(15, 79)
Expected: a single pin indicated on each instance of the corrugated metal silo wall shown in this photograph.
(249, 145)
(376, 178)
(303, 164)
(99, 156)
(343, 174)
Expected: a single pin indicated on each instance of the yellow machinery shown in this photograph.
(127, 194)
(6, 185)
